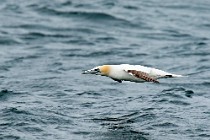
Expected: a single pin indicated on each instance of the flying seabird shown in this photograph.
(133, 73)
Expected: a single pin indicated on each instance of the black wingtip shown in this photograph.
(168, 76)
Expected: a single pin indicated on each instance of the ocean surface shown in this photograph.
(45, 45)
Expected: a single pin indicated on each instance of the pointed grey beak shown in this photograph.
(91, 71)
(86, 72)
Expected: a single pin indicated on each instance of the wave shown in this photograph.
(85, 14)
(8, 41)
(5, 94)
(177, 93)
(94, 16)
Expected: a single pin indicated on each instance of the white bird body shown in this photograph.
(133, 73)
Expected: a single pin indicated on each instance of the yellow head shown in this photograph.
(104, 70)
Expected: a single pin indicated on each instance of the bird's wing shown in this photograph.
(151, 72)
(142, 75)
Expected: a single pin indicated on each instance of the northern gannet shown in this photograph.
(133, 73)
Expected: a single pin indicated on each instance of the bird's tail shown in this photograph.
(163, 74)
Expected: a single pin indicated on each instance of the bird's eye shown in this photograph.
(96, 69)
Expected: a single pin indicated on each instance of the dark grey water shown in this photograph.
(44, 46)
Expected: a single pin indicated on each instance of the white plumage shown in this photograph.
(133, 73)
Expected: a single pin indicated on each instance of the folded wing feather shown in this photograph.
(142, 75)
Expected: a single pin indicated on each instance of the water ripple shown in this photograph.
(44, 46)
